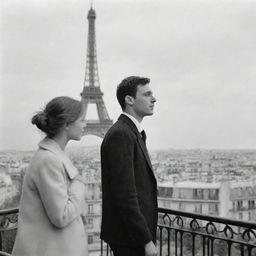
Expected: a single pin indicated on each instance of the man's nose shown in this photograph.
(153, 99)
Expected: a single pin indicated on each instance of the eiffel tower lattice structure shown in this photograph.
(91, 92)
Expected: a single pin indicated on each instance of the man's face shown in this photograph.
(143, 104)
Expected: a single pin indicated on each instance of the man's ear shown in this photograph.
(129, 100)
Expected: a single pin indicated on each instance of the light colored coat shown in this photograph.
(52, 200)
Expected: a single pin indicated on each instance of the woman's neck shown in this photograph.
(61, 140)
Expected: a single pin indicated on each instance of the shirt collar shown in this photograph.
(52, 146)
(135, 121)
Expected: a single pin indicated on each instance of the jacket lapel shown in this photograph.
(144, 149)
(128, 121)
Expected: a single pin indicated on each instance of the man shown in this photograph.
(129, 188)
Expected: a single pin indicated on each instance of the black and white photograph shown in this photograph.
(127, 128)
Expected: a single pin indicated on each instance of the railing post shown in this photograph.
(242, 250)
(176, 243)
(168, 246)
(211, 242)
(161, 243)
(249, 251)
(229, 248)
(193, 244)
(181, 243)
(1, 241)
(204, 244)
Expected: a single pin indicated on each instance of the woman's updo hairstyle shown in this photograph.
(58, 112)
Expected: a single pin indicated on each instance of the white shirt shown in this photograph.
(135, 121)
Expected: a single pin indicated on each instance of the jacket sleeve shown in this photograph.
(61, 203)
(120, 159)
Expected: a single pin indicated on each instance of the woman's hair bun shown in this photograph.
(40, 120)
(57, 113)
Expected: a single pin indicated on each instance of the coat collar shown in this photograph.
(133, 127)
(51, 145)
(129, 122)
(135, 121)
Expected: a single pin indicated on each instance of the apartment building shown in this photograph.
(92, 216)
(234, 200)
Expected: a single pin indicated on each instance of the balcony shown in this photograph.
(179, 234)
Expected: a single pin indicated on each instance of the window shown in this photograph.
(198, 208)
(213, 194)
(213, 208)
(239, 205)
(90, 208)
(169, 192)
(89, 223)
(198, 193)
(161, 191)
(90, 239)
(182, 206)
(251, 204)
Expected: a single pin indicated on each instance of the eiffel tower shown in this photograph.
(91, 92)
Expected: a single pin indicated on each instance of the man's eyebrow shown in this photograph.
(148, 92)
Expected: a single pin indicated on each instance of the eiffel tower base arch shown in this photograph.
(97, 128)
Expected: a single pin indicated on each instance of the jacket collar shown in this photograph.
(129, 122)
(51, 145)
(135, 121)
(133, 127)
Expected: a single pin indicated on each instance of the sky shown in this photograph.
(199, 54)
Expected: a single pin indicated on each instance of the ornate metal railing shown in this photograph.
(179, 234)
(182, 233)
(188, 234)
(8, 227)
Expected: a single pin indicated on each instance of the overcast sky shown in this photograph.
(200, 56)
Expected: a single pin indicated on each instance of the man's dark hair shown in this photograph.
(129, 87)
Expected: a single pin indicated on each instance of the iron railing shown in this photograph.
(179, 234)
(8, 227)
(184, 234)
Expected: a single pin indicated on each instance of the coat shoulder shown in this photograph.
(120, 129)
(45, 158)
(119, 132)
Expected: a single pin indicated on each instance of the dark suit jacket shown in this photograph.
(129, 188)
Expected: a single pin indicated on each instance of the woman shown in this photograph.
(53, 194)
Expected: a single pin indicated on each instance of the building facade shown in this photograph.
(234, 200)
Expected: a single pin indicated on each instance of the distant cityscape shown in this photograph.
(211, 182)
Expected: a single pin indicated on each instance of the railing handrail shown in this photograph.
(9, 211)
(245, 224)
(209, 218)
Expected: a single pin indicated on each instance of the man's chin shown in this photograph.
(149, 114)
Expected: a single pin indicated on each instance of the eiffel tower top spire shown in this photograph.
(91, 92)
(91, 72)
(91, 13)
